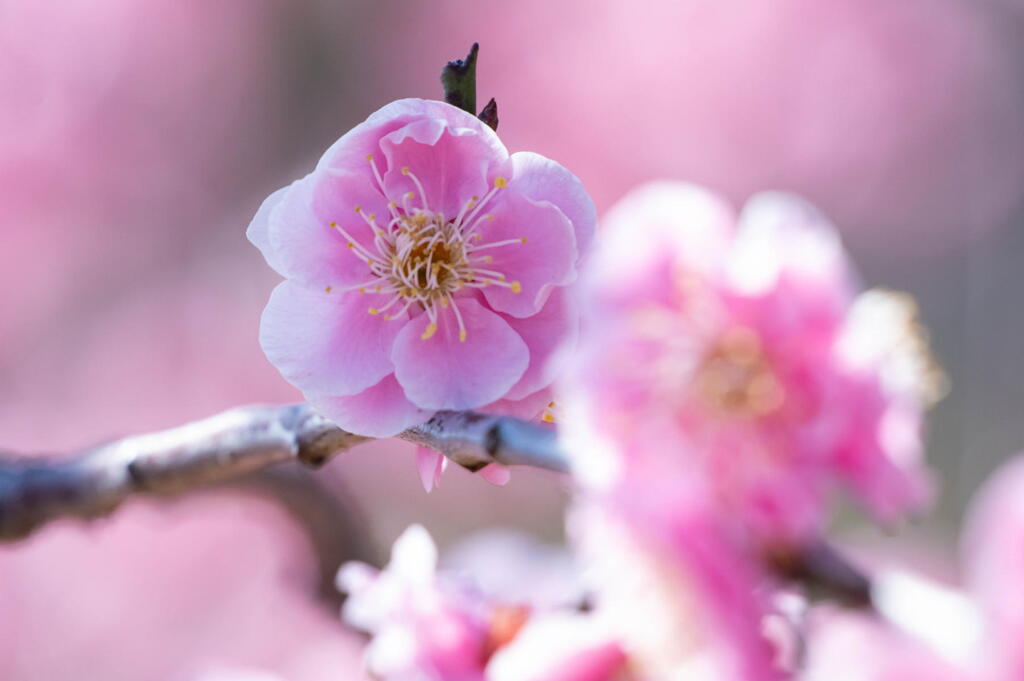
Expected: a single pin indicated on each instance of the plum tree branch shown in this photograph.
(36, 490)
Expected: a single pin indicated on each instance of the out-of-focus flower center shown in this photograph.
(424, 257)
(736, 378)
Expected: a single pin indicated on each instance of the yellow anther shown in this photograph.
(500, 182)
(488, 259)
(462, 335)
(405, 170)
(369, 157)
(374, 217)
(410, 195)
(489, 216)
(362, 290)
(478, 237)
(351, 245)
(334, 224)
(373, 310)
(359, 209)
(551, 404)
(430, 331)
(523, 239)
(517, 287)
(327, 289)
(392, 204)
(548, 417)
(377, 288)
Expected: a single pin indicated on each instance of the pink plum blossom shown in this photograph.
(685, 600)
(429, 626)
(738, 346)
(426, 269)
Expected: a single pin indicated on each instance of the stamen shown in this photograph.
(495, 244)
(431, 330)
(419, 185)
(458, 316)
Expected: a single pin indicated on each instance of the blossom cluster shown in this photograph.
(720, 375)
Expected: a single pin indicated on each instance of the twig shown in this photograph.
(34, 491)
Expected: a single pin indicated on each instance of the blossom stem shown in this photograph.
(458, 79)
(36, 490)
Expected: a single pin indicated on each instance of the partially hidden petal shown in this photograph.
(541, 179)
(549, 334)
(381, 410)
(440, 167)
(496, 474)
(430, 464)
(258, 232)
(533, 246)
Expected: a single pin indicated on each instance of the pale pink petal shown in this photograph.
(548, 334)
(302, 244)
(450, 164)
(327, 342)
(381, 410)
(781, 236)
(542, 179)
(542, 254)
(656, 238)
(528, 408)
(430, 464)
(349, 152)
(496, 474)
(442, 372)
(258, 232)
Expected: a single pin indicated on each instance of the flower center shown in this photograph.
(736, 378)
(423, 257)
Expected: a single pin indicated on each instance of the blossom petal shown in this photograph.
(528, 408)
(302, 244)
(430, 464)
(381, 410)
(549, 334)
(449, 165)
(542, 256)
(541, 179)
(258, 232)
(781, 235)
(496, 474)
(440, 372)
(350, 152)
(327, 342)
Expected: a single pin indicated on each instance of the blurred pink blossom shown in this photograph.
(685, 600)
(848, 647)
(737, 344)
(425, 269)
(434, 626)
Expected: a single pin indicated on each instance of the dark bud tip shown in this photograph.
(489, 114)
(458, 78)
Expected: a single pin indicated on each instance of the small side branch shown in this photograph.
(34, 491)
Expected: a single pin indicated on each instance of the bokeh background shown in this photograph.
(138, 138)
